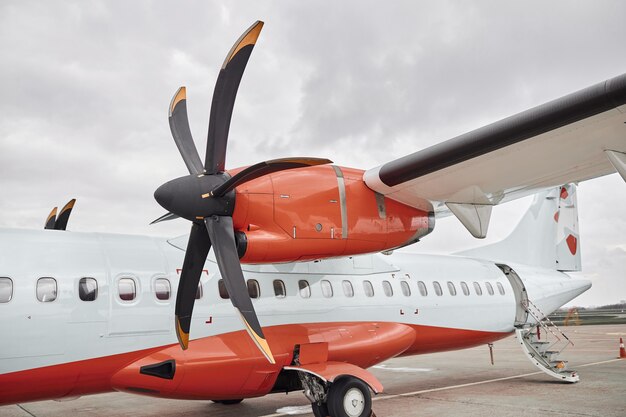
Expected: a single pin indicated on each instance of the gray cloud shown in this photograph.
(86, 87)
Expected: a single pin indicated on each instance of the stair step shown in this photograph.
(550, 355)
(560, 365)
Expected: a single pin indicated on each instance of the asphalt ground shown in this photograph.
(459, 383)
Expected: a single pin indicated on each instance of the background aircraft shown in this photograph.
(585, 130)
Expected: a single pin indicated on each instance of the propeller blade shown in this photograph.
(224, 98)
(64, 216)
(221, 232)
(195, 256)
(179, 125)
(52, 217)
(264, 168)
(165, 217)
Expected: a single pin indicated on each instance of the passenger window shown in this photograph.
(221, 289)
(348, 290)
(6, 289)
(422, 288)
(387, 288)
(437, 288)
(406, 290)
(254, 289)
(327, 288)
(88, 289)
(127, 289)
(465, 288)
(199, 291)
(479, 291)
(451, 288)
(489, 288)
(500, 288)
(162, 289)
(305, 289)
(368, 288)
(279, 288)
(46, 289)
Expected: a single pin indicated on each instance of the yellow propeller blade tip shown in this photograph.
(183, 337)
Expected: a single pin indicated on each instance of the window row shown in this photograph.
(46, 289)
(304, 288)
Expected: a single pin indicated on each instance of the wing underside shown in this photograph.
(571, 139)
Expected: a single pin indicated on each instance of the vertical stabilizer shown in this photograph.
(547, 235)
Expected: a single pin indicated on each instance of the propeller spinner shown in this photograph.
(206, 197)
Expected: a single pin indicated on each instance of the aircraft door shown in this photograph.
(519, 290)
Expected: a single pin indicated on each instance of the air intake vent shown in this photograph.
(165, 370)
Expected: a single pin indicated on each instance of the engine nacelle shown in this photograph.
(320, 212)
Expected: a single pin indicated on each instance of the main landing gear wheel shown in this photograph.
(319, 410)
(228, 402)
(349, 397)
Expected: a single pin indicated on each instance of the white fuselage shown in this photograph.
(38, 334)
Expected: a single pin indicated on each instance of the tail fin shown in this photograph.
(547, 236)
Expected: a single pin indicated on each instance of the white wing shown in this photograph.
(571, 139)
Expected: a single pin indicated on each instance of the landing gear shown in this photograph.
(346, 397)
(349, 397)
(228, 402)
(319, 410)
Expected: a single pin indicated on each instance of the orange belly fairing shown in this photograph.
(229, 366)
(321, 212)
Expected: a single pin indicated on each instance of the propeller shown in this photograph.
(206, 196)
(60, 222)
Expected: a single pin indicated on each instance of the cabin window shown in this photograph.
(465, 288)
(489, 288)
(221, 289)
(327, 288)
(479, 291)
(199, 291)
(500, 288)
(387, 288)
(437, 288)
(305, 288)
(422, 288)
(368, 288)
(254, 289)
(88, 289)
(126, 289)
(451, 288)
(46, 289)
(406, 289)
(162, 289)
(6, 289)
(348, 290)
(279, 288)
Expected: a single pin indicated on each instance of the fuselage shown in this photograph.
(367, 309)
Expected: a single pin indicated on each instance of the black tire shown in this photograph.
(356, 396)
(319, 410)
(228, 402)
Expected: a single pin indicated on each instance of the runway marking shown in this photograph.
(449, 387)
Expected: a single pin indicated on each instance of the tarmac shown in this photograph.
(459, 383)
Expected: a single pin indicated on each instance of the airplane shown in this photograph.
(304, 290)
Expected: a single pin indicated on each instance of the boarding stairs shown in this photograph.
(543, 342)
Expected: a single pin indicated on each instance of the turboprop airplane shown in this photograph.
(294, 295)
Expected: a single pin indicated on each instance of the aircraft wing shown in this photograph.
(570, 139)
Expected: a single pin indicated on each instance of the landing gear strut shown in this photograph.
(346, 397)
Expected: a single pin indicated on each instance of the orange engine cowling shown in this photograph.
(320, 212)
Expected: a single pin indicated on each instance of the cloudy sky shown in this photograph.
(86, 87)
